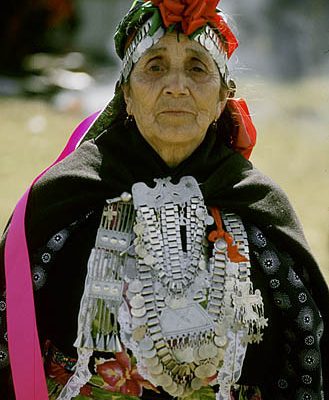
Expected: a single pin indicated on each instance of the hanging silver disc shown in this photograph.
(146, 344)
(137, 301)
(138, 312)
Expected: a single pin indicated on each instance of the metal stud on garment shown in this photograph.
(142, 42)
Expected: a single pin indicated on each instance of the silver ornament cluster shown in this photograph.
(151, 271)
(180, 344)
(97, 321)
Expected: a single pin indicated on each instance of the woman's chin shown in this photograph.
(174, 132)
(180, 137)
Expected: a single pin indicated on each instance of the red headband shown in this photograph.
(194, 14)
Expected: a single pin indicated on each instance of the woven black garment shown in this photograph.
(109, 165)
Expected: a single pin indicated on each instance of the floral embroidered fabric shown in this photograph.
(117, 379)
(116, 374)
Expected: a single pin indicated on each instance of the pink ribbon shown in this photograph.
(23, 341)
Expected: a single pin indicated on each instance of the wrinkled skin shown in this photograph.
(175, 93)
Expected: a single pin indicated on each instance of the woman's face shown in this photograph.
(174, 92)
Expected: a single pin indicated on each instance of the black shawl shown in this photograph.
(109, 165)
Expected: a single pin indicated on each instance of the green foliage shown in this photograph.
(205, 393)
(96, 380)
(101, 394)
(155, 22)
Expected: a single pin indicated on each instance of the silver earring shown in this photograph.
(129, 120)
(231, 89)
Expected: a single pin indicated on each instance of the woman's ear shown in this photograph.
(224, 94)
(220, 107)
(223, 104)
(126, 95)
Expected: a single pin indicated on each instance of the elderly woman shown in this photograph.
(164, 265)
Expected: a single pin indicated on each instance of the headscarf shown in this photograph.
(201, 21)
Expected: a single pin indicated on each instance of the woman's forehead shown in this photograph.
(184, 45)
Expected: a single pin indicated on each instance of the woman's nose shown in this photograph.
(176, 84)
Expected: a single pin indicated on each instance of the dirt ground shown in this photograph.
(293, 148)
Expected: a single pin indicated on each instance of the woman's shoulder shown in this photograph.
(66, 191)
(84, 162)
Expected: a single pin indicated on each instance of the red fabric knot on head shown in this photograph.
(194, 14)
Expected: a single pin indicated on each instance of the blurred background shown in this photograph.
(58, 65)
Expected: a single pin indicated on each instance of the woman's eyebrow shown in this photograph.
(198, 54)
(155, 51)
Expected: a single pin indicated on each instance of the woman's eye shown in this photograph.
(155, 68)
(198, 69)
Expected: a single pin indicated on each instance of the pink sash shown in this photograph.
(23, 342)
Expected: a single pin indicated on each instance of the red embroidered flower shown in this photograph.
(192, 15)
(121, 376)
(61, 376)
(256, 397)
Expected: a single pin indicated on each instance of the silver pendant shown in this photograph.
(165, 192)
(189, 320)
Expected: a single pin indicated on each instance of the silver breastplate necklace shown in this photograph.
(186, 315)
